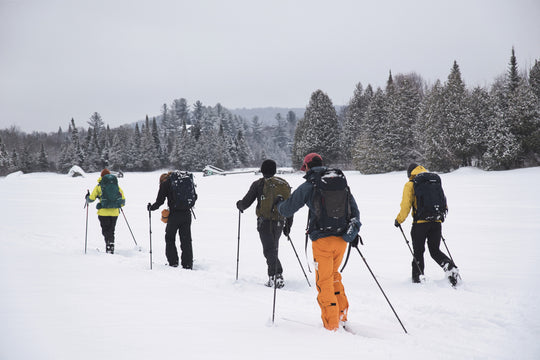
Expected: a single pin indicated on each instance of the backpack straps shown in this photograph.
(307, 238)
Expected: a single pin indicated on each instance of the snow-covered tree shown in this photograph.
(321, 132)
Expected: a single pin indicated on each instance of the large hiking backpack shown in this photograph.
(182, 190)
(273, 186)
(111, 197)
(331, 207)
(430, 199)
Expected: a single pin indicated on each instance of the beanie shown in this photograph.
(105, 172)
(268, 168)
(311, 160)
(410, 169)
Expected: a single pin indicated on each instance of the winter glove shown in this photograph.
(352, 230)
(396, 223)
(87, 196)
(354, 243)
(149, 207)
(239, 206)
(286, 227)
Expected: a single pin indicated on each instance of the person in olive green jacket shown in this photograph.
(107, 214)
(422, 230)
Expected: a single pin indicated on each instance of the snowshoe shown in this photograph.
(453, 276)
(110, 248)
(279, 282)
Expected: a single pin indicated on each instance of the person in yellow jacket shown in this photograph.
(108, 209)
(422, 230)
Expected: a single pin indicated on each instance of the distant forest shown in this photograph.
(443, 126)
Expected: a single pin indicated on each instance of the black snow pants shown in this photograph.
(108, 224)
(179, 221)
(270, 232)
(432, 232)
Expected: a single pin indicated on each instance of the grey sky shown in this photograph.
(67, 58)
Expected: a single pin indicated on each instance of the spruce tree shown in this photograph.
(322, 129)
(534, 79)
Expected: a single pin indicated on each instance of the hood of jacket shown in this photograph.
(417, 170)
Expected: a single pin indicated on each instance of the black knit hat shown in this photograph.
(268, 168)
(410, 169)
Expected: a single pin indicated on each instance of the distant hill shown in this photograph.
(267, 115)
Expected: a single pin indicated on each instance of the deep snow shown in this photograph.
(57, 302)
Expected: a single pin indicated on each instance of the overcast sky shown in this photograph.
(63, 59)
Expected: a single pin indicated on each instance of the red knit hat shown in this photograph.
(309, 158)
(105, 172)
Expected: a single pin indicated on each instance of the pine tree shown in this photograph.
(482, 110)
(43, 161)
(354, 118)
(432, 132)
(404, 105)
(458, 116)
(513, 74)
(534, 79)
(322, 130)
(369, 156)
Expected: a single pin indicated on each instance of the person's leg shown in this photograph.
(434, 243)
(418, 236)
(185, 240)
(170, 239)
(108, 224)
(269, 234)
(339, 289)
(323, 255)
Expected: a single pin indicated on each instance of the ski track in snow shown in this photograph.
(59, 303)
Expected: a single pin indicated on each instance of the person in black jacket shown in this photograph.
(269, 230)
(178, 221)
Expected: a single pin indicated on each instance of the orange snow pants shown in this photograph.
(327, 254)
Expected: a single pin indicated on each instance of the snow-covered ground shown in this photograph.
(57, 302)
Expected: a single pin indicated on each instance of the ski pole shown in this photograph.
(388, 301)
(129, 227)
(444, 242)
(447, 249)
(289, 238)
(86, 230)
(150, 230)
(238, 246)
(275, 276)
(414, 257)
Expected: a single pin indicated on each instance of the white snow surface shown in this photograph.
(57, 302)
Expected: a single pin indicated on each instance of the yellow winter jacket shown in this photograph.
(96, 194)
(408, 200)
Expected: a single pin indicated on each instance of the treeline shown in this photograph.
(443, 126)
(179, 137)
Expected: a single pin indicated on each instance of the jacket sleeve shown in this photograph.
(96, 193)
(123, 197)
(250, 197)
(355, 212)
(161, 196)
(298, 198)
(406, 202)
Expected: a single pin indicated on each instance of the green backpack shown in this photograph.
(111, 197)
(273, 187)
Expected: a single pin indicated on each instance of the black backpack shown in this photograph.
(182, 190)
(111, 197)
(430, 199)
(331, 208)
